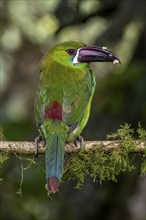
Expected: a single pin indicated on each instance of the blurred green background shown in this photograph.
(28, 29)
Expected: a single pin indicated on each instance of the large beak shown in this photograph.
(95, 54)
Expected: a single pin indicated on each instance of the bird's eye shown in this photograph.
(71, 51)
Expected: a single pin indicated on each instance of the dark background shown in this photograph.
(28, 29)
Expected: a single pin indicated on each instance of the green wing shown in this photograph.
(75, 100)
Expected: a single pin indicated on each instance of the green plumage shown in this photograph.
(72, 87)
(62, 104)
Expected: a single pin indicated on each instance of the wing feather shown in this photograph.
(76, 100)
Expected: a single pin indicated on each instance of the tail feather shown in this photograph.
(54, 162)
(53, 184)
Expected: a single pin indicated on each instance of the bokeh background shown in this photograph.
(28, 29)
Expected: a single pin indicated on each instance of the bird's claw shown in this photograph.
(79, 141)
(39, 140)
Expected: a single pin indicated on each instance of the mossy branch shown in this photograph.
(25, 147)
(99, 159)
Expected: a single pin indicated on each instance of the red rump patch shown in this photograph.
(54, 111)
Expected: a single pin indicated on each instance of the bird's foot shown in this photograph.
(39, 140)
(79, 141)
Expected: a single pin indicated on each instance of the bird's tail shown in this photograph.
(54, 161)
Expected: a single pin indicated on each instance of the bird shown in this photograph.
(63, 100)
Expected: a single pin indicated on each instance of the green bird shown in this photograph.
(63, 99)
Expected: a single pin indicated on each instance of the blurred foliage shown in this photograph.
(28, 29)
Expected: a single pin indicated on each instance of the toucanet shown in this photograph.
(63, 99)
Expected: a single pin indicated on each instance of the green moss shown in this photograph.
(105, 165)
(3, 158)
(141, 132)
(142, 136)
(143, 168)
(143, 164)
(96, 162)
(29, 163)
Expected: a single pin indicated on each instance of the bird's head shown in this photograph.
(78, 54)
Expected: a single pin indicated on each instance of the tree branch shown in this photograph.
(24, 147)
